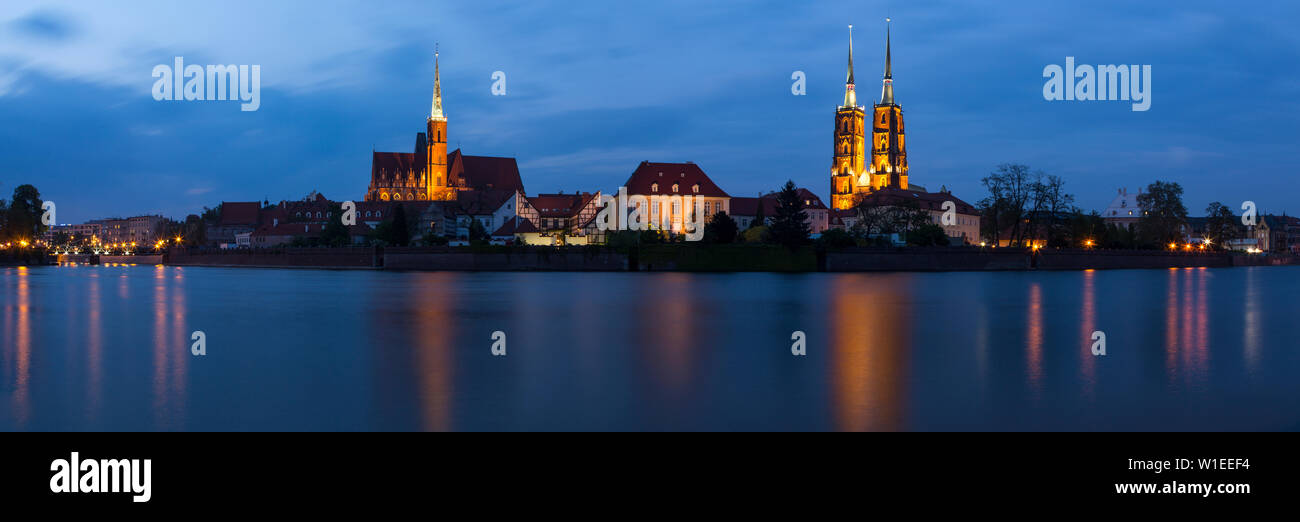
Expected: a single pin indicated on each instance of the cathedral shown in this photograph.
(851, 172)
(430, 173)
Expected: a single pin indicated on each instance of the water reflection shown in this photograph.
(1088, 361)
(435, 329)
(22, 349)
(1034, 338)
(668, 320)
(871, 333)
(1187, 326)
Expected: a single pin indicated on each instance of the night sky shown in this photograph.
(594, 88)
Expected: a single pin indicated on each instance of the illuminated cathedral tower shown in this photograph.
(851, 174)
(435, 172)
(849, 159)
(888, 146)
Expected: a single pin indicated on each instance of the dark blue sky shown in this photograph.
(593, 88)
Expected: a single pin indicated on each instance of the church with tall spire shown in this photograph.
(851, 173)
(430, 173)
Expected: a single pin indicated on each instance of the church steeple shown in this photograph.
(436, 112)
(850, 97)
(887, 90)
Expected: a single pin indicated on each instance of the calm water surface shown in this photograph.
(108, 348)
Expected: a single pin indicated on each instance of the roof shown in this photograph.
(514, 226)
(394, 162)
(749, 206)
(480, 202)
(560, 205)
(891, 196)
(484, 172)
(239, 213)
(685, 175)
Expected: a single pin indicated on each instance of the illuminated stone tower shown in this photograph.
(888, 145)
(435, 172)
(848, 162)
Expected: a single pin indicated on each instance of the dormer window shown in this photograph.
(695, 188)
(674, 188)
(654, 187)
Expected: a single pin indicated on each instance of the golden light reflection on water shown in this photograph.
(1250, 324)
(434, 353)
(870, 332)
(1034, 338)
(671, 333)
(94, 348)
(23, 350)
(1187, 325)
(171, 348)
(1088, 363)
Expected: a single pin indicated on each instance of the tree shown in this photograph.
(837, 238)
(1163, 214)
(335, 232)
(477, 232)
(720, 229)
(23, 217)
(1010, 189)
(1220, 225)
(759, 219)
(790, 225)
(928, 234)
(401, 231)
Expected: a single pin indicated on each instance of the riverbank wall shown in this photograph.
(711, 258)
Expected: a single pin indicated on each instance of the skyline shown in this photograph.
(591, 94)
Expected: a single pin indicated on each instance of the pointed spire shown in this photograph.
(887, 90)
(436, 112)
(850, 97)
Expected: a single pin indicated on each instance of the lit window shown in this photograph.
(654, 187)
(674, 188)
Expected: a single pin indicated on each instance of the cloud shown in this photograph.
(46, 25)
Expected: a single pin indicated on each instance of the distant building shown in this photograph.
(851, 174)
(138, 229)
(1123, 211)
(430, 173)
(234, 217)
(565, 219)
(964, 230)
(663, 184)
(745, 210)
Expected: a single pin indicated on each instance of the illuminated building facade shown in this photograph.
(851, 174)
(430, 173)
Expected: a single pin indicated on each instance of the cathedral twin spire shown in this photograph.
(887, 90)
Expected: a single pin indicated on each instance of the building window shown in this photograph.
(654, 187)
(674, 188)
(695, 188)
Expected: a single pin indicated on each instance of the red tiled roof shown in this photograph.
(749, 206)
(560, 205)
(484, 172)
(239, 213)
(685, 175)
(390, 163)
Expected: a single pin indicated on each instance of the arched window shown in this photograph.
(397, 197)
(654, 187)
(674, 188)
(695, 188)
